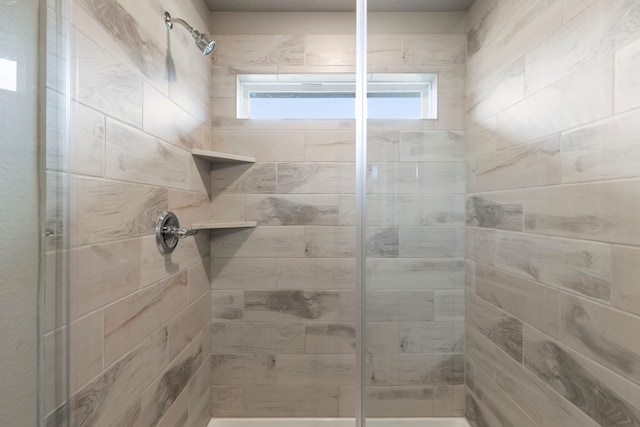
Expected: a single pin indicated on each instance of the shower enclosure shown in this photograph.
(335, 254)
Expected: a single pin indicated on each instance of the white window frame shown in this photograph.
(424, 83)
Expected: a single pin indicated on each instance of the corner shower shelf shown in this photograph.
(222, 225)
(217, 157)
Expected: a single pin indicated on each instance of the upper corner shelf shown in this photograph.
(217, 157)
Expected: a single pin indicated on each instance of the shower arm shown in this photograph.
(169, 20)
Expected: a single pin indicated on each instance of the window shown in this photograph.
(332, 96)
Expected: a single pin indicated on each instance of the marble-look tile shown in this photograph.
(165, 120)
(414, 274)
(604, 211)
(481, 138)
(137, 157)
(155, 266)
(627, 77)
(330, 146)
(497, 405)
(227, 305)
(103, 273)
(530, 165)
(480, 349)
(292, 210)
(526, 300)
(333, 338)
(432, 242)
(400, 306)
(227, 207)
(416, 369)
(432, 337)
(626, 272)
(291, 305)
(107, 85)
(480, 244)
(383, 145)
(135, 317)
(571, 47)
(502, 211)
(291, 401)
(329, 242)
(227, 401)
(316, 178)
(399, 401)
(502, 329)
(240, 50)
(602, 334)
(451, 114)
(258, 178)
(416, 178)
(243, 369)
(243, 273)
(86, 350)
(433, 146)
(162, 394)
(316, 273)
(572, 8)
(110, 394)
(449, 305)
(606, 149)
(383, 338)
(541, 403)
(259, 242)
(580, 266)
(257, 337)
(382, 242)
(449, 209)
(496, 90)
(434, 49)
(108, 210)
(559, 106)
(598, 392)
(186, 326)
(189, 206)
(448, 400)
(316, 369)
(272, 146)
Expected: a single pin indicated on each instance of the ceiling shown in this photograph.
(337, 5)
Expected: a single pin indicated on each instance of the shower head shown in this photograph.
(203, 41)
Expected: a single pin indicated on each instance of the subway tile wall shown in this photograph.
(140, 322)
(552, 300)
(283, 294)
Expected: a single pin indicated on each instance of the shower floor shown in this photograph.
(337, 422)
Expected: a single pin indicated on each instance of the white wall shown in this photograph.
(19, 217)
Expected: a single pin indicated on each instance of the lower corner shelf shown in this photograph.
(215, 225)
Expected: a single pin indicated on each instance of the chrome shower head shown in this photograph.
(203, 41)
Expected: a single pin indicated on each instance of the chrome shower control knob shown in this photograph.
(169, 233)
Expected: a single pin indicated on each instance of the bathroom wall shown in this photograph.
(19, 253)
(140, 322)
(283, 333)
(552, 236)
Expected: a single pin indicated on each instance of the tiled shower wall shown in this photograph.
(552, 237)
(283, 333)
(140, 322)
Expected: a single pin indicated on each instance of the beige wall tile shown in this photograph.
(434, 49)
(625, 289)
(188, 253)
(389, 401)
(101, 274)
(259, 242)
(273, 146)
(627, 77)
(86, 350)
(292, 210)
(108, 210)
(186, 326)
(332, 338)
(263, 50)
(330, 146)
(434, 146)
(226, 401)
(499, 210)
(243, 273)
(431, 242)
(244, 178)
(317, 178)
(189, 207)
(414, 273)
(316, 273)
(227, 305)
(329, 242)
(291, 401)
(257, 337)
(132, 319)
(316, 369)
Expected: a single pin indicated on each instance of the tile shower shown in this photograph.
(500, 246)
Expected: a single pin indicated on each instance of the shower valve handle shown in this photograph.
(169, 233)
